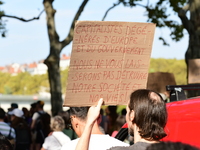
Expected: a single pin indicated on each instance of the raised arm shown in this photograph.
(93, 114)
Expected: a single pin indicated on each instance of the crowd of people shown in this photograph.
(88, 128)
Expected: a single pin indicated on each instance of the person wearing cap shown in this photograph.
(5, 129)
(23, 136)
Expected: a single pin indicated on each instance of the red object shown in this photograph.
(184, 121)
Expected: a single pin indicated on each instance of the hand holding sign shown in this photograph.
(94, 112)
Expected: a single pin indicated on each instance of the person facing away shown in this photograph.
(146, 118)
(98, 141)
(22, 130)
(57, 138)
(39, 131)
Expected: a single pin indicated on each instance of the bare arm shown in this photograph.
(33, 124)
(93, 113)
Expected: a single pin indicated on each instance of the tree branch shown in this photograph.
(50, 17)
(185, 21)
(69, 38)
(22, 19)
(114, 5)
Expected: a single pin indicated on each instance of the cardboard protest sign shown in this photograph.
(158, 81)
(109, 60)
(194, 71)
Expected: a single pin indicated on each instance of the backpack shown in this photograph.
(43, 124)
(9, 137)
(23, 138)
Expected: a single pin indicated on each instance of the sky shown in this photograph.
(28, 42)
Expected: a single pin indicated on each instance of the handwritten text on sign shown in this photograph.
(109, 60)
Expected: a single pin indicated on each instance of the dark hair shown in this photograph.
(123, 112)
(14, 105)
(79, 112)
(150, 113)
(33, 105)
(5, 144)
(66, 117)
(171, 146)
(40, 103)
(2, 113)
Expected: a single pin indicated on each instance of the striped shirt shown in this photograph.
(5, 129)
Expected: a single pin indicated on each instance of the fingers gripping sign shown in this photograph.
(94, 112)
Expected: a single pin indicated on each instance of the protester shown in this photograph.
(5, 129)
(67, 130)
(57, 138)
(27, 116)
(32, 109)
(22, 130)
(40, 127)
(171, 146)
(78, 121)
(5, 144)
(146, 118)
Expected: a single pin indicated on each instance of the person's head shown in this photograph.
(25, 111)
(2, 113)
(171, 146)
(146, 112)
(57, 123)
(39, 104)
(14, 105)
(5, 144)
(78, 116)
(16, 113)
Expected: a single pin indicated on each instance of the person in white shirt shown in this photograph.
(57, 138)
(98, 140)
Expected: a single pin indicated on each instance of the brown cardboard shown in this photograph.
(108, 60)
(194, 71)
(157, 81)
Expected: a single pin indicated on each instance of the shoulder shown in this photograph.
(141, 145)
(120, 148)
(116, 142)
(105, 142)
(71, 145)
(136, 146)
(35, 116)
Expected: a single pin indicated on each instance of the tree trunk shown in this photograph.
(192, 25)
(55, 84)
(52, 61)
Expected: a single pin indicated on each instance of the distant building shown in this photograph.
(64, 62)
(34, 68)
